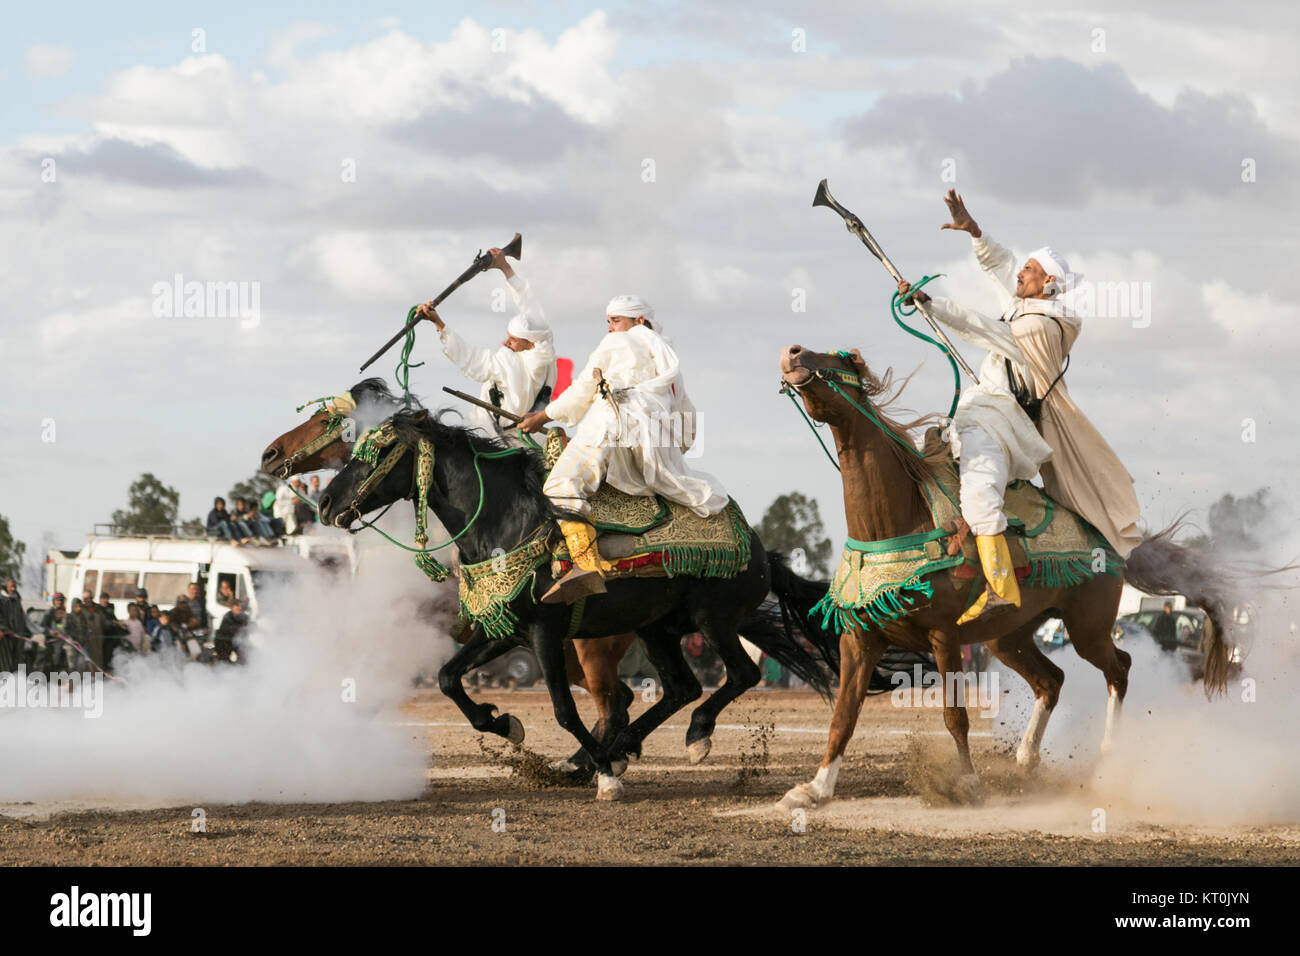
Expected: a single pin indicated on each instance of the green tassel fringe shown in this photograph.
(435, 569)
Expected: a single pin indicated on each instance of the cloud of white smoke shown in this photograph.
(1180, 758)
(311, 717)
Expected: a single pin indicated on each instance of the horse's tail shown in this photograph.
(795, 598)
(1160, 566)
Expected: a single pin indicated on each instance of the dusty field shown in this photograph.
(891, 807)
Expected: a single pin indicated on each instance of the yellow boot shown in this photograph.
(995, 559)
(587, 576)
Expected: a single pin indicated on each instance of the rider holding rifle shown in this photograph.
(1022, 386)
(518, 376)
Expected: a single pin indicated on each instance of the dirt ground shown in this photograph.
(486, 805)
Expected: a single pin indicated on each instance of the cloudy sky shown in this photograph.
(349, 159)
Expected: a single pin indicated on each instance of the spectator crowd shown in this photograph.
(281, 512)
(89, 636)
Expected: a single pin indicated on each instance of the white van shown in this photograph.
(165, 565)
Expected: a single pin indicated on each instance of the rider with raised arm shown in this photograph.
(518, 376)
(1020, 418)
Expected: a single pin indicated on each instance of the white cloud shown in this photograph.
(1256, 323)
(48, 62)
(547, 137)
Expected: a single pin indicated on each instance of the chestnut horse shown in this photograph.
(883, 498)
(325, 441)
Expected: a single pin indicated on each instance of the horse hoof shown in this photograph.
(1027, 759)
(618, 766)
(800, 797)
(969, 789)
(564, 766)
(697, 751)
(515, 733)
(609, 787)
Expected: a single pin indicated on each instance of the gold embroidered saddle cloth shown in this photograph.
(649, 536)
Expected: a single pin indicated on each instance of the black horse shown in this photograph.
(496, 504)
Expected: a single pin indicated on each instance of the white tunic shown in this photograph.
(518, 375)
(990, 405)
(1079, 468)
(640, 448)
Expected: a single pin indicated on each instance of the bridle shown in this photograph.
(333, 431)
(835, 378)
(370, 448)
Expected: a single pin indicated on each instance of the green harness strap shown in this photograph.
(897, 309)
(853, 380)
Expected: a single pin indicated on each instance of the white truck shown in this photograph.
(164, 565)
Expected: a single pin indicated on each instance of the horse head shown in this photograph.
(324, 440)
(379, 471)
(820, 379)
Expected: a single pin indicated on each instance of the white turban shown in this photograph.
(633, 306)
(533, 328)
(1054, 264)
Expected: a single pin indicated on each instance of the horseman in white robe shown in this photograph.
(518, 376)
(632, 424)
(994, 437)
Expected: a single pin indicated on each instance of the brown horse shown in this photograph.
(325, 441)
(883, 498)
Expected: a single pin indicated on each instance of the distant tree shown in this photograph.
(793, 523)
(34, 567)
(1236, 524)
(253, 488)
(11, 553)
(194, 527)
(151, 507)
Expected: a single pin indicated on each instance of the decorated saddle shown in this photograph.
(648, 536)
(881, 581)
(641, 536)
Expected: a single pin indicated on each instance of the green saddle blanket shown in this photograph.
(881, 581)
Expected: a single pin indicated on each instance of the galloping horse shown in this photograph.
(883, 498)
(493, 501)
(323, 442)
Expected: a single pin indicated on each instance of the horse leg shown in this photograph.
(860, 651)
(1089, 615)
(1018, 651)
(680, 687)
(947, 656)
(475, 652)
(597, 660)
(548, 645)
(742, 674)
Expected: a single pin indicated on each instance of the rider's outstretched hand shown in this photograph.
(961, 219)
(917, 296)
(427, 311)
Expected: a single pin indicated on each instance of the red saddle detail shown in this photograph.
(627, 564)
(968, 572)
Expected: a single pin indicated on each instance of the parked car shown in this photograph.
(1189, 634)
(1133, 629)
(514, 668)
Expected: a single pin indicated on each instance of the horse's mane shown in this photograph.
(376, 390)
(884, 392)
(409, 431)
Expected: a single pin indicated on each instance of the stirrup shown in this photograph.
(575, 586)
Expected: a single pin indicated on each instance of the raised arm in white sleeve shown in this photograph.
(977, 329)
(525, 301)
(477, 364)
(998, 262)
